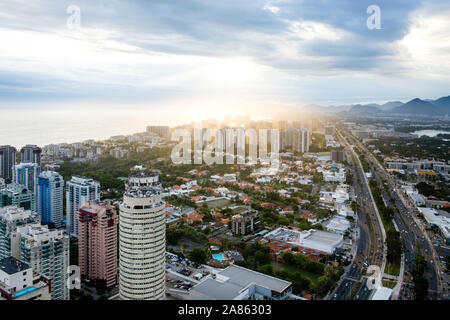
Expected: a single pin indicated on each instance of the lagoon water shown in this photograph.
(429, 133)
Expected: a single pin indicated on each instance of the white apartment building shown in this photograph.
(47, 252)
(79, 190)
(142, 244)
(334, 176)
(12, 217)
(18, 281)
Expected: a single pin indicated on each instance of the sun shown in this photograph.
(231, 70)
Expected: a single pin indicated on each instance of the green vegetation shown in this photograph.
(176, 231)
(304, 274)
(421, 148)
(313, 277)
(392, 269)
(442, 190)
(393, 240)
(181, 202)
(107, 170)
(389, 283)
(198, 256)
(420, 282)
(73, 252)
(255, 255)
(299, 282)
(300, 261)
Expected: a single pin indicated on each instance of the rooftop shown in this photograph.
(382, 293)
(311, 239)
(142, 185)
(13, 213)
(232, 281)
(11, 265)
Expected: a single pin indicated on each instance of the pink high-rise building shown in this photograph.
(97, 243)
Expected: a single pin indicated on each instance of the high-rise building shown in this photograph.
(31, 153)
(338, 155)
(245, 223)
(162, 131)
(12, 217)
(27, 175)
(306, 139)
(7, 161)
(79, 190)
(50, 198)
(282, 125)
(47, 252)
(301, 140)
(97, 244)
(142, 241)
(17, 195)
(287, 138)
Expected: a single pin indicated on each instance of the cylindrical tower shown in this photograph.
(142, 244)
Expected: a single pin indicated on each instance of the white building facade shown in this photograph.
(142, 244)
(79, 190)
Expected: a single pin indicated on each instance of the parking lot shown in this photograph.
(183, 274)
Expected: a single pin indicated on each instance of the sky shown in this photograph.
(182, 59)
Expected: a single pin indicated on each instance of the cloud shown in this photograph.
(252, 49)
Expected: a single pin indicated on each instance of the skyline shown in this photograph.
(101, 124)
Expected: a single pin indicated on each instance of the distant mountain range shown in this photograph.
(415, 107)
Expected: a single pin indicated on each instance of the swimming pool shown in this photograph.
(217, 256)
(24, 292)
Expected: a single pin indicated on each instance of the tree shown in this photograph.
(261, 257)
(420, 283)
(225, 242)
(266, 269)
(288, 257)
(198, 256)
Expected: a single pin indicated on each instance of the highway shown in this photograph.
(370, 242)
(348, 281)
(415, 240)
(368, 214)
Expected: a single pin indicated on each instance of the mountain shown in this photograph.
(418, 107)
(376, 105)
(415, 107)
(364, 110)
(390, 105)
(336, 109)
(314, 108)
(443, 104)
